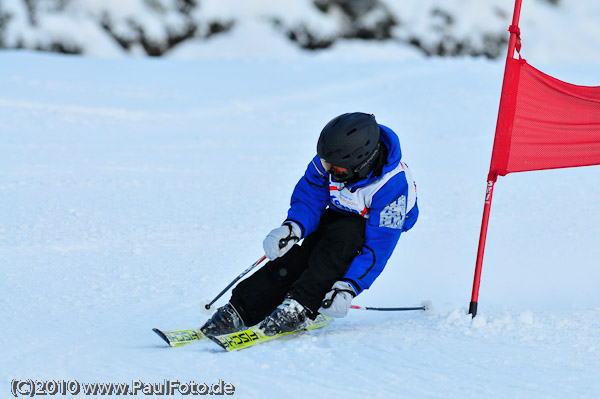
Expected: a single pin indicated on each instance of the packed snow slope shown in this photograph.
(133, 189)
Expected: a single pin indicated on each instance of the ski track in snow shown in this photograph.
(131, 190)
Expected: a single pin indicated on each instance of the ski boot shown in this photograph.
(225, 320)
(289, 316)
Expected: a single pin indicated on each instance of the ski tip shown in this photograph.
(162, 335)
(216, 341)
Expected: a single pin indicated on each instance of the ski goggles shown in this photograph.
(339, 174)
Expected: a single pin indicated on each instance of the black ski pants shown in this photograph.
(306, 272)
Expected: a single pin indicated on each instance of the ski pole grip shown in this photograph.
(329, 301)
(284, 241)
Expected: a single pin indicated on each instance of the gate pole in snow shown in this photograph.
(514, 42)
(480, 250)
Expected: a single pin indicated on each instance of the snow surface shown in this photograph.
(133, 189)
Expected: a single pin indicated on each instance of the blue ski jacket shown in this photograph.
(388, 202)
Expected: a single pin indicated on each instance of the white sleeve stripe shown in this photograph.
(412, 189)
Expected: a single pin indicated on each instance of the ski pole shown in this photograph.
(208, 305)
(389, 309)
(282, 243)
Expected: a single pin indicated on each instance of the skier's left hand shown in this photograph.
(337, 301)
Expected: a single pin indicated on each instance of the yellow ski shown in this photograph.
(254, 335)
(179, 338)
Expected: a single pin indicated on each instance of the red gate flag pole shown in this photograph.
(543, 123)
(508, 90)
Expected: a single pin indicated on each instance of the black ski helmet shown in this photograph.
(350, 141)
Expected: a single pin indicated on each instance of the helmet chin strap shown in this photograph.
(346, 179)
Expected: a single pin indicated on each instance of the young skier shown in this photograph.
(350, 207)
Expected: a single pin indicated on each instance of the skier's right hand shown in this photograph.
(280, 240)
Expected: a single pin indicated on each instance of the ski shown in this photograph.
(254, 335)
(179, 338)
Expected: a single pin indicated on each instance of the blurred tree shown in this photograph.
(155, 27)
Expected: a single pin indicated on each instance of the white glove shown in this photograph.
(280, 240)
(337, 301)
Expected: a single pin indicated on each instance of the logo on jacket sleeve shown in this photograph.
(393, 214)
